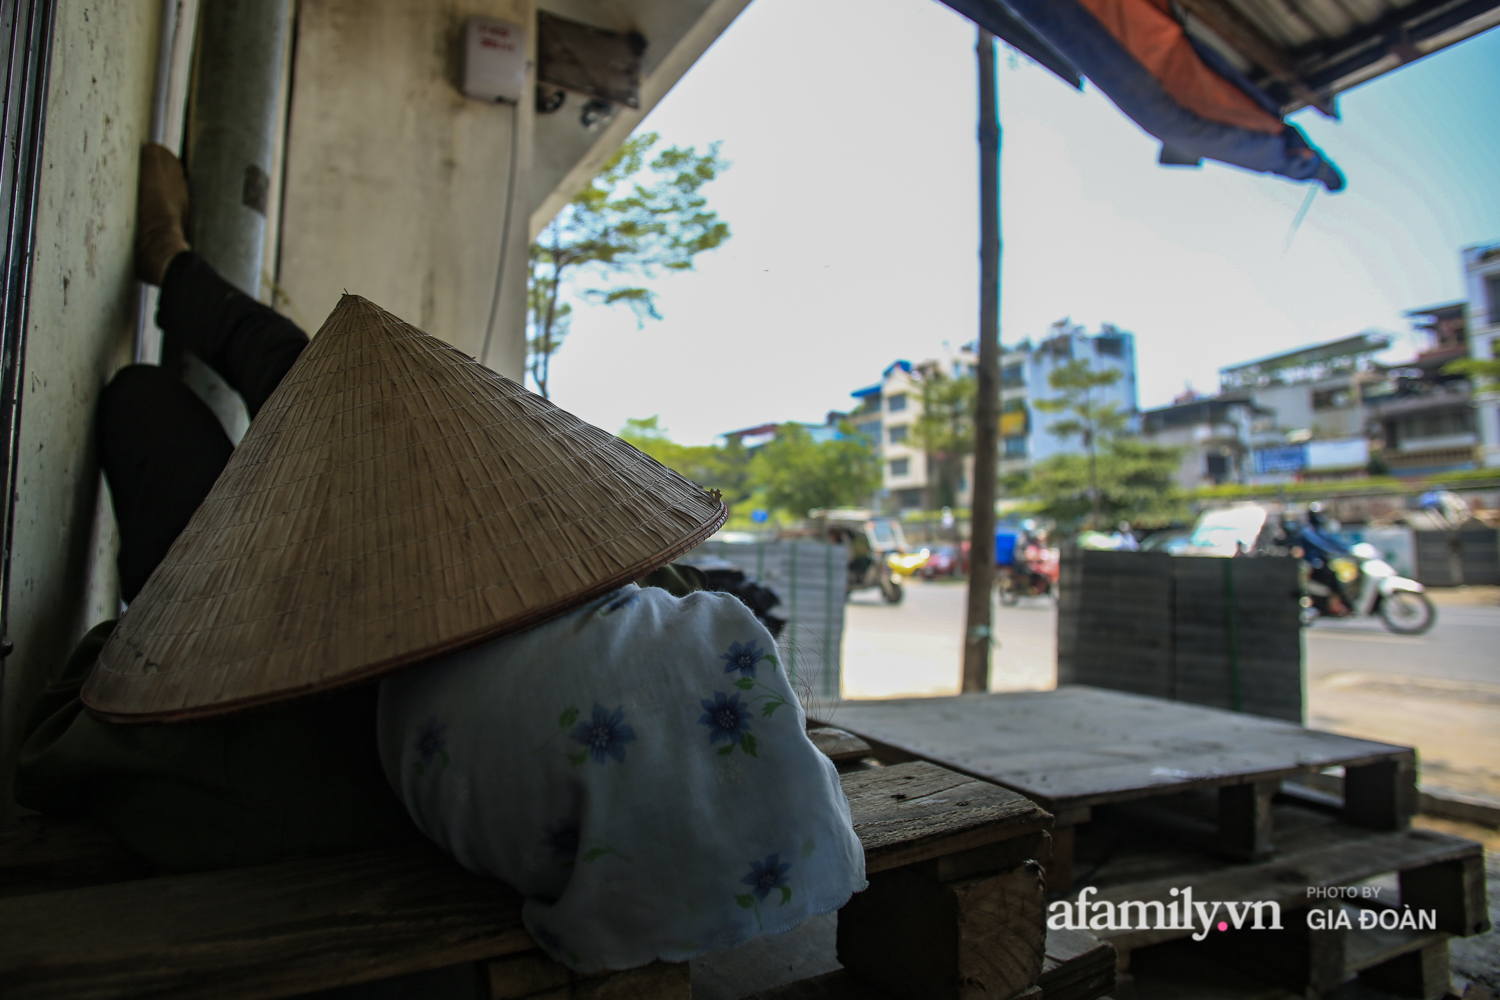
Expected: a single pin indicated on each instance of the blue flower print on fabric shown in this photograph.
(431, 746)
(727, 718)
(565, 839)
(764, 878)
(743, 657)
(767, 875)
(605, 735)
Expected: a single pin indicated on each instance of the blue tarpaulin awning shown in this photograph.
(1214, 78)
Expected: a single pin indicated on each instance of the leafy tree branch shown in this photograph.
(640, 216)
(1093, 420)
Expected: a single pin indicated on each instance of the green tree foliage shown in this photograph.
(724, 468)
(1485, 372)
(797, 473)
(640, 215)
(1128, 479)
(1093, 420)
(792, 473)
(945, 429)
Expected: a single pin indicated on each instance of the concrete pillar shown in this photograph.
(232, 132)
(231, 149)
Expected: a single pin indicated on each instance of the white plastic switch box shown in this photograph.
(494, 60)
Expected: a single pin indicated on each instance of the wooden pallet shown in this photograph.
(1078, 748)
(1078, 966)
(81, 918)
(1427, 871)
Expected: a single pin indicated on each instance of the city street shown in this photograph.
(1439, 692)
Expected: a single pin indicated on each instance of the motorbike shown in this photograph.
(1359, 583)
(1033, 576)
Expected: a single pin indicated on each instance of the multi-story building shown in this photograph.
(1109, 349)
(1330, 410)
(1310, 415)
(1482, 271)
(887, 415)
(1217, 436)
(888, 410)
(1421, 418)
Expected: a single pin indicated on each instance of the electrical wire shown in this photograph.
(510, 197)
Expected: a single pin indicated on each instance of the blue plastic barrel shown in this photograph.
(1005, 548)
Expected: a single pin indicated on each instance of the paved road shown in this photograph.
(1464, 645)
(915, 647)
(1439, 692)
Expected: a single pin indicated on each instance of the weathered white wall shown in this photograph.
(395, 183)
(81, 329)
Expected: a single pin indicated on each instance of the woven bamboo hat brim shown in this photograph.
(393, 501)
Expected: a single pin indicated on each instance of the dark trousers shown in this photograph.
(160, 446)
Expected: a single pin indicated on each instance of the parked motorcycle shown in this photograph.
(1358, 582)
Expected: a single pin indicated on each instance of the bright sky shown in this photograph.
(853, 198)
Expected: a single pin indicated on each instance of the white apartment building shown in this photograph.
(888, 410)
(886, 415)
(1066, 342)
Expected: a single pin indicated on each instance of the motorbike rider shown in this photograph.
(1029, 566)
(1320, 546)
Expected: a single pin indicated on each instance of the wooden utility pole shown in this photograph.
(977, 638)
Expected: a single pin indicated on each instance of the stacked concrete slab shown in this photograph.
(1218, 632)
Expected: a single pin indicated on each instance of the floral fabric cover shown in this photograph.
(638, 769)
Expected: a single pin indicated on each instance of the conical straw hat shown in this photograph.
(393, 501)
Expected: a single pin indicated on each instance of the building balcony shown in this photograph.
(1413, 400)
(1445, 442)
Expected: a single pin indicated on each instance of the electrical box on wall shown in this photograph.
(494, 60)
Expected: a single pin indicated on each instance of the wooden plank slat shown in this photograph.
(1245, 819)
(1322, 853)
(915, 812)
(837, 745)
(1381, 795)
(261, 931)
(1078, 966)
(1365, 949)
(921, 939)
(534, 976)
(1423, 973)
(46, 855)
(295, 927)
(1455, 889)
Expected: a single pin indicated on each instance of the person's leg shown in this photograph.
(161, 449)
(248, 343)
